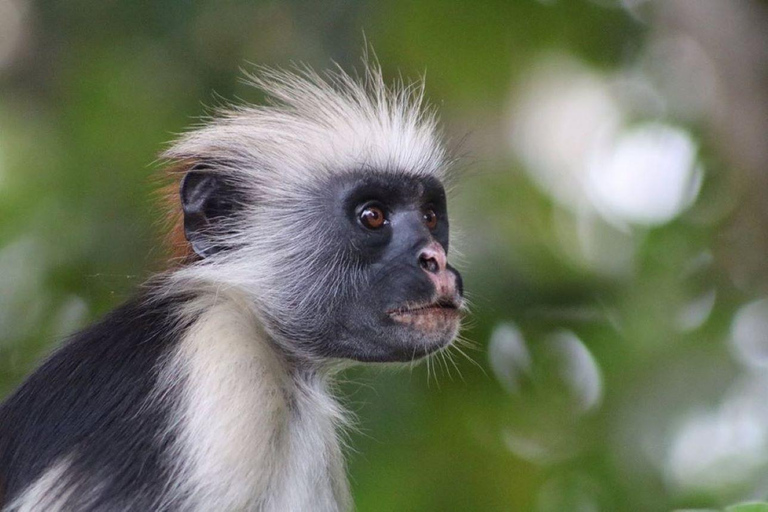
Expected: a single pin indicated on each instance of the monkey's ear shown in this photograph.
(208, 202)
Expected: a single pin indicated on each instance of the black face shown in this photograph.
(393, 231)
(390, 294)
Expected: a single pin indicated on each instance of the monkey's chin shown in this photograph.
(433, 327)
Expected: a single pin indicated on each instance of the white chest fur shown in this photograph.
(251, 435)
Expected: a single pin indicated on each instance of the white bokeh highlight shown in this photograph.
(573, 129)
(578, 369)
(749, 334)
(697, 311)
(557, 121)
(508, 356)
(647, 175)
(717, 449)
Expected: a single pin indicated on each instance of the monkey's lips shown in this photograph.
(429, 316)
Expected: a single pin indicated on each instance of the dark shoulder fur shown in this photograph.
(119, 444)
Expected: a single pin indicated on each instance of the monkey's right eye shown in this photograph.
(372, 217)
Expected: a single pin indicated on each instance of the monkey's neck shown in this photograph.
(253, 432)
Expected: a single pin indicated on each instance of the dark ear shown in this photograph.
(208, 203)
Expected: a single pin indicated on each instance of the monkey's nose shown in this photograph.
(432, 258)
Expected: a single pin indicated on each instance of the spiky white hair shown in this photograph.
(316, 125)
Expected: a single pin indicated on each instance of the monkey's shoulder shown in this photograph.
(89, 402)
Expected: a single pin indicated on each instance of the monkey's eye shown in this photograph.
(372, 216)
(430, 218)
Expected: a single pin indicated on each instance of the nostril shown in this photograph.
(429, 263)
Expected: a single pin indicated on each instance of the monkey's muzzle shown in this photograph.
(440, 315)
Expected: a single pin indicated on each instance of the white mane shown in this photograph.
(315, 125)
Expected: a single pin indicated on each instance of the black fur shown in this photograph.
(89, 401)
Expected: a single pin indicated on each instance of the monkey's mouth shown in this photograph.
(444, 308)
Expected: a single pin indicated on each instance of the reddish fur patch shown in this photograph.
(179, 249)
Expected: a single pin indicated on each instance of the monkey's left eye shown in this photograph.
(430, 218)
(372, 216)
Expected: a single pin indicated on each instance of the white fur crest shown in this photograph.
(317, 126)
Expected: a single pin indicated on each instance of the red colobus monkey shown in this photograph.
(317, 233)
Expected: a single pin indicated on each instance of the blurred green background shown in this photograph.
(611, 220)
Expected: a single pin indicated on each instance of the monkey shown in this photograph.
(315, 236)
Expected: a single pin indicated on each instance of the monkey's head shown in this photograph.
(327, 208)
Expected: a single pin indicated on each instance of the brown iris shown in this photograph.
(372, 217)
(430, 218)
